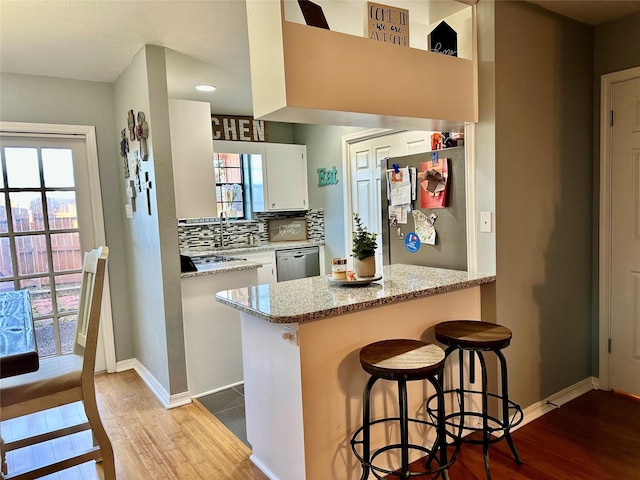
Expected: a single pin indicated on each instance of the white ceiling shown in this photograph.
(96, 39)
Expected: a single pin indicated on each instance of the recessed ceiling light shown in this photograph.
(205, 88)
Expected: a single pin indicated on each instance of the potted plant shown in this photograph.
(364, 249)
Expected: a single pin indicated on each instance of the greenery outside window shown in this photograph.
(230, 195)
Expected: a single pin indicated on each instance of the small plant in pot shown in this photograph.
(364, 249)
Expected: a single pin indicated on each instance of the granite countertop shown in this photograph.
(313, 298)
(216, 268)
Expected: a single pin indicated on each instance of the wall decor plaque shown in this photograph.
(388, 24)
(287, 229)
(443, 39)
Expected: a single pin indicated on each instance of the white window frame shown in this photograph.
(88, 133)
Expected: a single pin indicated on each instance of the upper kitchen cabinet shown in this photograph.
(276, 174)
(340, 76)
(192, 158)
(285, 177)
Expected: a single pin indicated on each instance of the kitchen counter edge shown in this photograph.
(360, 298)
(216, 268)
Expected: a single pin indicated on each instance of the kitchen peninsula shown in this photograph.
(300, 343)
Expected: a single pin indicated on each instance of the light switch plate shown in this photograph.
(128, 210)
(486, 225)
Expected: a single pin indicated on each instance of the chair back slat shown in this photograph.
(89, 306)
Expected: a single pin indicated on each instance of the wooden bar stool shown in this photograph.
(477, 337)
(402, 361)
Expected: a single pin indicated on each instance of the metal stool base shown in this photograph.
(380, 472)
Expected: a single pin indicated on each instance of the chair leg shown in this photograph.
(3, 469)
(100, 436)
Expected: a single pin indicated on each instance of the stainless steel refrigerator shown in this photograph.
(450, 249)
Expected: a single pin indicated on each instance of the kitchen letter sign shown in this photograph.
(243, 129)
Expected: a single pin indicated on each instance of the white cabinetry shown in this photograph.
(212, 331)
(192, 158)
(286, 177)
(277, 171)
(266, 273)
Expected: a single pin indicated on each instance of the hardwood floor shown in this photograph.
(150, 442)
(595, 437)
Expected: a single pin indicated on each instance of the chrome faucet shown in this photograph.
(222, 215)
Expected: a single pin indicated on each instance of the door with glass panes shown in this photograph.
(45, 226)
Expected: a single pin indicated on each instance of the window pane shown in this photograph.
(22, 167)
(6, 267)
(45, 337)
(65, 252)
(31, 251)
(6, 287)
(4, 226)
(234, 175)
(68, 292)
(26, 208)
(40, 293)
(61, 208)
(1, 175)
(67, 332)
(57, 167)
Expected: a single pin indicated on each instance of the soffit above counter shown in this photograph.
(303, 74)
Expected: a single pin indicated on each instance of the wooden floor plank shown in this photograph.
(594, 437)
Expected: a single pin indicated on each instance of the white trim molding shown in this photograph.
(168, 401)
(557, 400)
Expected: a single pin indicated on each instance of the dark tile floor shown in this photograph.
(228, 407)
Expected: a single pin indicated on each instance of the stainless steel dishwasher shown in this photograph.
(297, 263)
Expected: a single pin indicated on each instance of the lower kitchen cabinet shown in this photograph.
(266, 273)
(213, 346)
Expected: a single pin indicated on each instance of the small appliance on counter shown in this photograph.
(187, 265)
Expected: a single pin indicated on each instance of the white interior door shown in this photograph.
(364, 160)
(624, 361)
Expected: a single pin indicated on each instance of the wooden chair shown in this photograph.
(65, 379)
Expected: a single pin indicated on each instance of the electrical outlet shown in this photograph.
(290, 335)
(260, 227)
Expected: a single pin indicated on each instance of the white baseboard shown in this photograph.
(123, 365)
(262, 468)
(168, 401)
(216, 390)
(557, 399)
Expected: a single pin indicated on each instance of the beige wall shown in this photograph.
(543, 163)
(152, 240)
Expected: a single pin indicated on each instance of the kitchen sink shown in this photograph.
(223, 258)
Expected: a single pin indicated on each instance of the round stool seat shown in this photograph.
(473, 334)
(407, 359)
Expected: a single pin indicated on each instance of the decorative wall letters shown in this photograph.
(243, 129)
(327, 177)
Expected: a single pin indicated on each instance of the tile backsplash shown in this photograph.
(204, 233)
